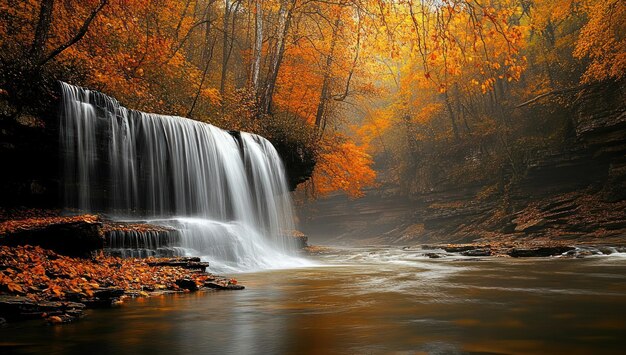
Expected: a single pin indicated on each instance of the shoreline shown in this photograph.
(37, 283)
(34, 286)
(54, 267)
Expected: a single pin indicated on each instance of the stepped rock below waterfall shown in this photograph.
(134, 239)
(213, 193)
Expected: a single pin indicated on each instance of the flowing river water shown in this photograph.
(368, 301)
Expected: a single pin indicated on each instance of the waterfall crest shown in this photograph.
(225, 192)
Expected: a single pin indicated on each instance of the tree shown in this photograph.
(602, 40)
(284, 20)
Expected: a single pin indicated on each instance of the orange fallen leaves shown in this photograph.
(45, 275)
(11, 226)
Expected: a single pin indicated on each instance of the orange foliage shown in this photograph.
(344, 166)
(603, 40)
(44, 275)
(298, 86)
(11, 226)
(131, 50)
(423, 55)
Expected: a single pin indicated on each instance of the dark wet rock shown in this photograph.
(61, 319)
(30, 159)
(608, 250)
(190, 263)
(584, 253)
(539, 251)
(102, 297)
(187, 284)
(459, 248)
(433, 255)
(108, 292)
(72, 238)
(223, 285)
(472, 259)
(21, 308)
(477, 252)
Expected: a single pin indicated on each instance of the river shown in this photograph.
(368, 301)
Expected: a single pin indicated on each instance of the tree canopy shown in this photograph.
(398, 83)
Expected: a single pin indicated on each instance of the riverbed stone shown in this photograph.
(477, 252)
(21, 308)
(223, 285)
(72, 236)
(539, 251)
(187, 284)
(459, 248)
(190, 263)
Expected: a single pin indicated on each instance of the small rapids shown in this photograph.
(225, 192)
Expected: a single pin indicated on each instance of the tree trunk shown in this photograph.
(225, 55)
(82, 31)
(42, 31)
(258, 47)
(209, 49)
(284, 19)
(321, 107)
(455, 128)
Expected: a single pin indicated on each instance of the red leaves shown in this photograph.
(14, 288)
(45, 275)
(12, 226)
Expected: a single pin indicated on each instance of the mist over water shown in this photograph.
(226, 193)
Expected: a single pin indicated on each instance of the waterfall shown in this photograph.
(224, 192)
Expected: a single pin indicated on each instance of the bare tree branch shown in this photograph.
(78, 36)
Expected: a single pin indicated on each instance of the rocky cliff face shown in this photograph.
(577, 193)
(29, 160)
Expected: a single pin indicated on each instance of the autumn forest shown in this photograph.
(466, 159)
(352, 82)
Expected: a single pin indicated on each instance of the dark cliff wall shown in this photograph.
(29, 156)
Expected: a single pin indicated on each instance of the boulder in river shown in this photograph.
(22, 308)
(223, 285)
(539, 251)
(458, 248)
(477, 252)
(187, 284)
(190, 263)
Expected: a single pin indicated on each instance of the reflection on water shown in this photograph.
(369, 301)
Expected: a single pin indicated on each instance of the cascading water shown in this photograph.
(224, 192)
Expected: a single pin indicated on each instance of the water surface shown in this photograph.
(370, 301)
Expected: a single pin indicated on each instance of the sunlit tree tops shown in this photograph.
(362, 77)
